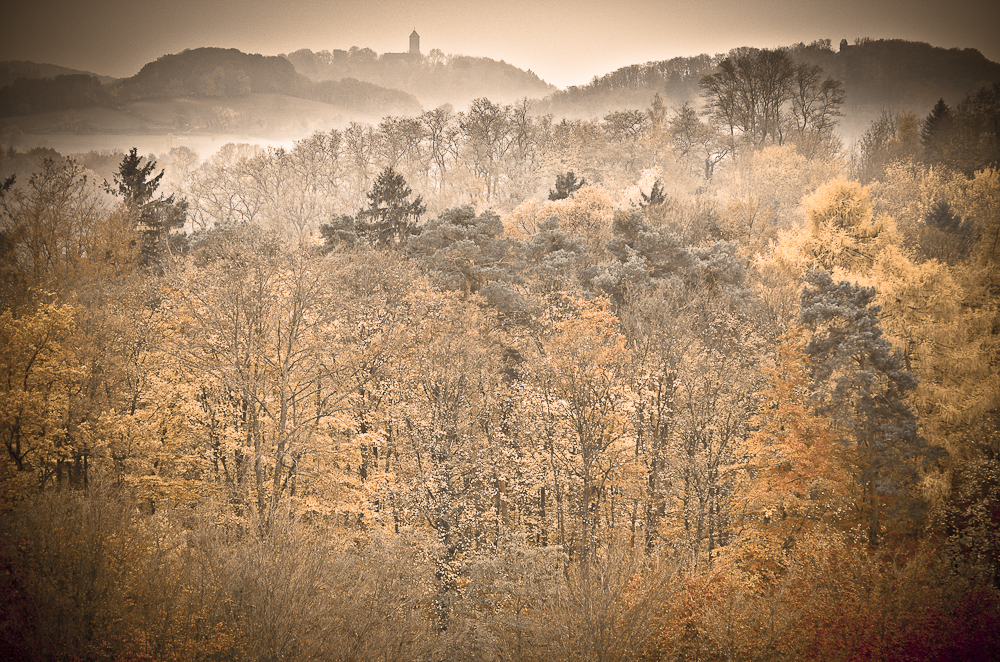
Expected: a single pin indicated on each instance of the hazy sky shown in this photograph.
(566, 42)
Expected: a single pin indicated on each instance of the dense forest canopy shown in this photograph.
(671, 383)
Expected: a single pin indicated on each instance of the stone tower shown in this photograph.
(414, 43)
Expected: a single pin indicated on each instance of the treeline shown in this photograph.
(651, 415)
(11, 70)
(964, 138)
(434, 78)
(198, 73)
(497, 154)
(883, 74)
(677, 80)
(27, 96)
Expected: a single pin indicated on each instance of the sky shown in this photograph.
(566, 42)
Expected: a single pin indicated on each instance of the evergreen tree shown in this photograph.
(944, 236)
(467, 251)
(155, 217)
(657, 196)
(566, 185)
(937, 132)
(391, 216)
(862, 386)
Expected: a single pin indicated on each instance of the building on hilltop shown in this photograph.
(413, 55)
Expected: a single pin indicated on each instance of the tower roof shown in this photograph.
(414, 33)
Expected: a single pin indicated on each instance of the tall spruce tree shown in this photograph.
(861, 385)
(937, 132)
(136, 185)
(391, 216)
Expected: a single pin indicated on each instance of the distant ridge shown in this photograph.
(227, 73)
(889, 74)
(222, 75)
(434, 78)
(211, 72)
(11, 70)
(202, 88)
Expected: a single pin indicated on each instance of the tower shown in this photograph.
(414, 43)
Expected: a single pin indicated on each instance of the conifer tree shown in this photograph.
(862, 385)
(135, 184)
(936, 132)
(657, 196)
(566, 185)
(391, 216)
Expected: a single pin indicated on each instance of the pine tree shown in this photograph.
(566, 185)
(391, 216)
(862, 386)
(156, 217)
(657, 196)
(937, 132)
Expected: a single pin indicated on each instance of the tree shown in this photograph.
(656, 196)
(625, 125)
(696, 142)
(490, 140)
(586, 431)
(43, 393)
(156, 217)
(58, 237)
(862, 385)
(889, 138)
(263, 373)
(937, 132)
(225, 189)
(978, 122)
(816, 101)
(566, 185)
(391, 216)
(747, 95)
(441, 135)
(798, 465)
(469, 251)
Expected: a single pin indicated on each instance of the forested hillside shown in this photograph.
(11, 70)
(877, 75)
(221, 75)
(435, 78)
(486, 385)
(884, 74)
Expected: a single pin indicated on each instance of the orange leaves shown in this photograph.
(588, 347)
(798, 464)
(41, 378)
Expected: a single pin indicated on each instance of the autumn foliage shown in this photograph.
(719, 402)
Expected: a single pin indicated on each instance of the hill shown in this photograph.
(677, 80)
(11, 70)
(211, 72)
(205, 89)
(878, 75)
(434, 78)
(217, 73)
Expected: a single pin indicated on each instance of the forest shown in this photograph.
(679, 383)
